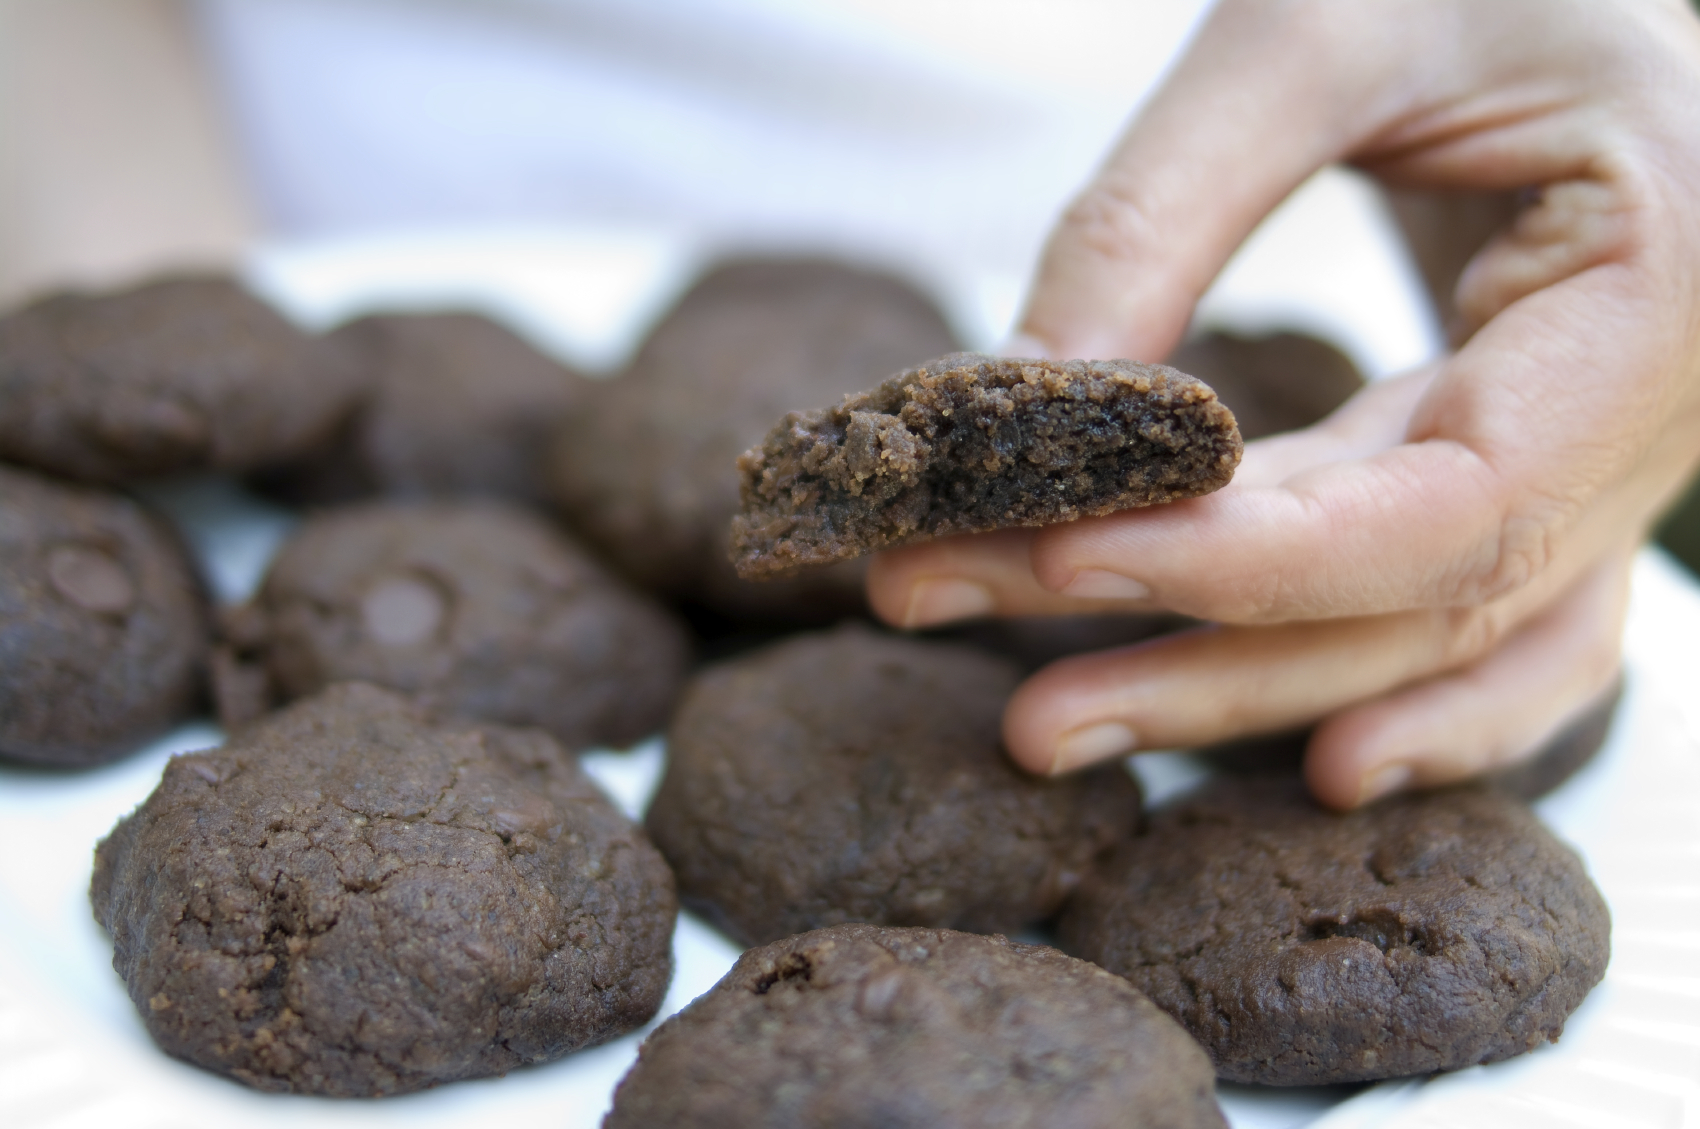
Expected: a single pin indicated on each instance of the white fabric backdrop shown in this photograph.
(938, 138)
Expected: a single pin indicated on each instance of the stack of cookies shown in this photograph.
(394, 874)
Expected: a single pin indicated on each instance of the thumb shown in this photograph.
(1268, 94)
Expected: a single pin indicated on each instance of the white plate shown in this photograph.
(73, 1052)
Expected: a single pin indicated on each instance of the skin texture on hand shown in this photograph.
(1438, 570)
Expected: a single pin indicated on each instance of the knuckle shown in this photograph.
(1601, 655)
(1467, 634)
(1600, 651)
(1521, 550)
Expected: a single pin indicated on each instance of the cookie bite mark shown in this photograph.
(970, 443)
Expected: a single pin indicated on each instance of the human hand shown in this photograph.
(1439, 570)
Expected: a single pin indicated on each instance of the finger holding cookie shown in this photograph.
(1398, 571)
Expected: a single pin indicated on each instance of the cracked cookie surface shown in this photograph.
(969, 443)
(353, 899)
(1426, 932)
(852, 776)
(860, 1025)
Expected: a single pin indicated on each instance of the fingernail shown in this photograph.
(940, 601)
(1021, 345)
(1100, 584)
(1092, 743)
(1384, 781)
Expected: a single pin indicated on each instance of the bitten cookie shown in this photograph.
(969, 443)
(477, 608)
(850, 776)
(353, 899)
(1272, 383)
(648, 472)
(175, 375)
(859, 1025)
(1300, 947)
(459, 405)
(103, 631)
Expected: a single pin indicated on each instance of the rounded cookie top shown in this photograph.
(649, 475)
(459, 405)
(173, 375)
(851, 776)
(350, 898)
(866, 1025)
(1425, 932)
(477, 608)
(103, 632)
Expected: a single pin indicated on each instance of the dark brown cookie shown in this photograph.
(859, 1025)
(459, 405)
(103, 633)
(1036, 640)
(1425, 932)
(353, 899)
(851, 776)
(1444, 231)
(174, 375)
(649, 474)
(477, 608)
(969, 443)
(1273, 383)
(1562, 756)
(1565, 753)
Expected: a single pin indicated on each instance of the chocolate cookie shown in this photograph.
(1565, 753)
(1273, 383)
(970, 443)
(174, 375)
(353, 899)
(459, 405)
(1034, 641)
(103, 635)
(648, 474)
(1425, 932)
(477, 608)
(859, 1025)
(1562, 756)
(851, 776)
(1444, 231)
